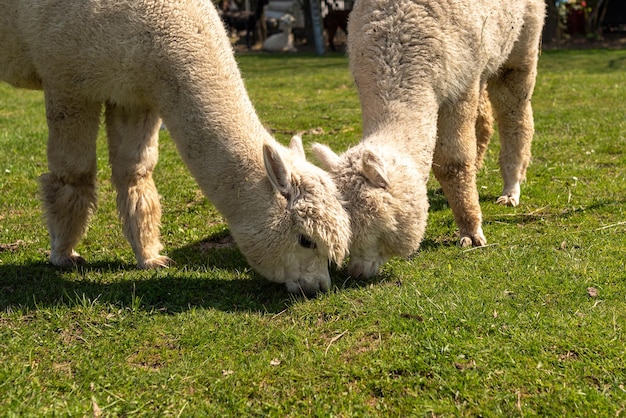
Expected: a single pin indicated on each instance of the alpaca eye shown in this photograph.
(307, 243)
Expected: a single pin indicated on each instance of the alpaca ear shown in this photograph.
(326, 157)
(374, 169)
(276, 170)
(295, 145)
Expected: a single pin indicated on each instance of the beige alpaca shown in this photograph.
(420, 67)
(146, 60)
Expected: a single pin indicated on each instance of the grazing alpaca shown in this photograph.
(420, 67)
(146, 59)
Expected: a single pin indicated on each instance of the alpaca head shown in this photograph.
(386, 200)
(305, 226)
(286, 22)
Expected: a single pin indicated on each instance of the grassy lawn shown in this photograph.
(532, 325)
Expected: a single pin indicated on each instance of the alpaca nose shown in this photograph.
(309, 286)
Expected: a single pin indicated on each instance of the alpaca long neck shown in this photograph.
(408, 127)
(224, 154)
(218, 134)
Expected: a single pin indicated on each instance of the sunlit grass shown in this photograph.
(531, 325)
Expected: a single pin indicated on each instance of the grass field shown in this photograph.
(531, 325)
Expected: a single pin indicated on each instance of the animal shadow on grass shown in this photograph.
(167, 291)
(219, 251)
(40, 285)
(37, 284)
(437, 200)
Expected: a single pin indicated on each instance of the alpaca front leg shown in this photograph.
(68, 190)
(133, 152)
(454, 165)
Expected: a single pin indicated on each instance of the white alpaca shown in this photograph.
(420, 67)
(146, 59)
(283, 41)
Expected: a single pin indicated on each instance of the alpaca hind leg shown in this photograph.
(510, 92)
(133, 152)
(511, 101)
(484, 127)
(68, 190)
(454, 165)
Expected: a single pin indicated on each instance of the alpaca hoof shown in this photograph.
(65, 261)
(465, 242)
(156, 262)
(477, 240)
(508, 200)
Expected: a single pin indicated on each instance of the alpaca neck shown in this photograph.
(409, 128)
(201, 97)
(220, 139)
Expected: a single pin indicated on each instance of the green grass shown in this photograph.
(510, 329)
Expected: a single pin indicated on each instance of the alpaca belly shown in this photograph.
(16, 68)
(21, 76)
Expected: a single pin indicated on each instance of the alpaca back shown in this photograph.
(147, 42)
(451, 43)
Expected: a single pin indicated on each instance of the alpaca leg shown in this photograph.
(68, 190)
(510, 92)
(484, 127)
(133, 153)
(454, 165)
